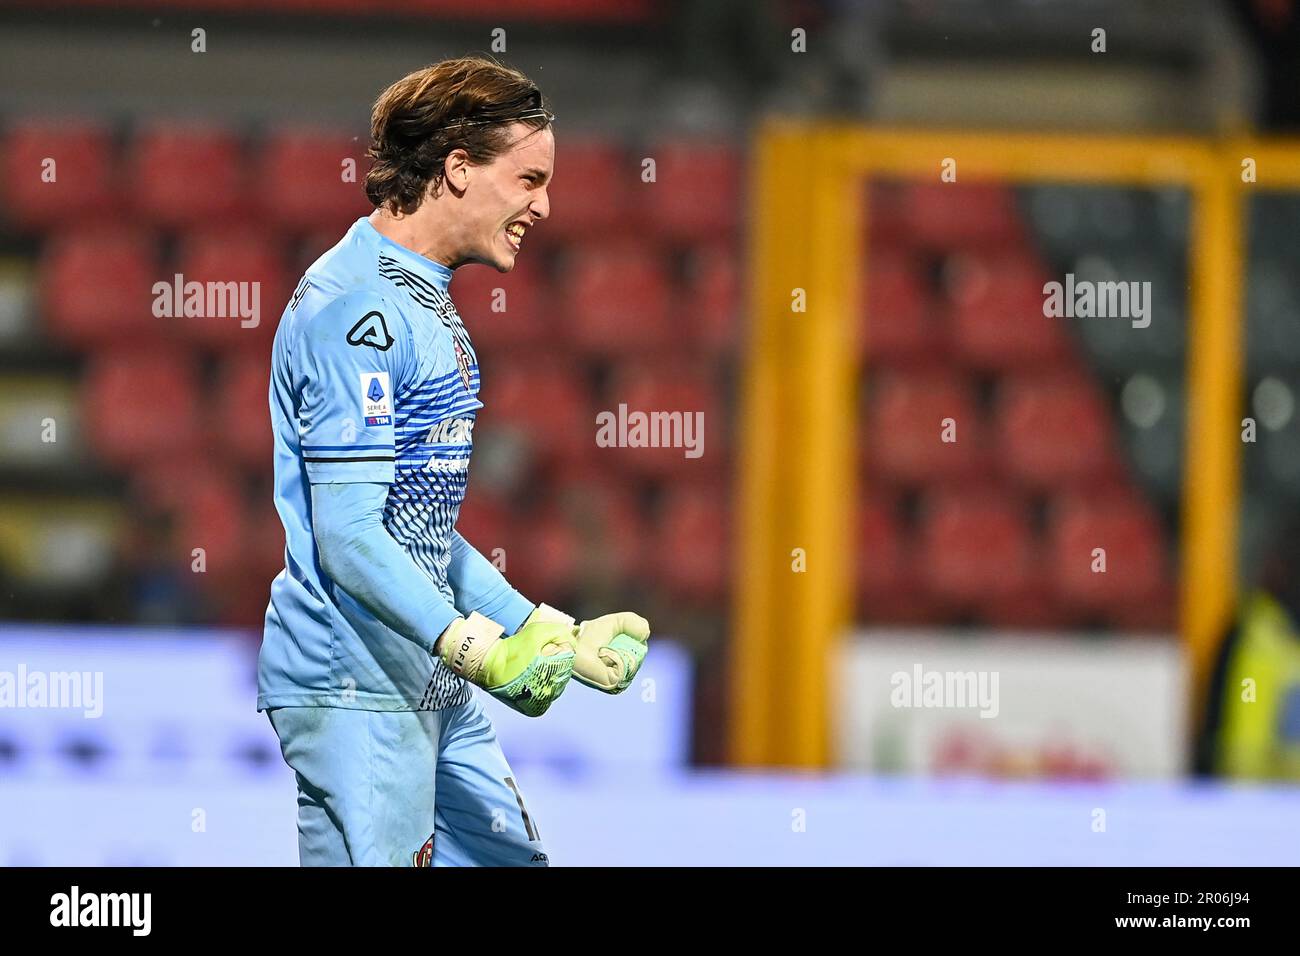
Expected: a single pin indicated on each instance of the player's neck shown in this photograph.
(417, 232)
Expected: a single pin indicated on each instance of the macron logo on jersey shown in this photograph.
(452, 431)
(377, 406)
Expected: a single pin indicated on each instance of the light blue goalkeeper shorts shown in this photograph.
(404, 788)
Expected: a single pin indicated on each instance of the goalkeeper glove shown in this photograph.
(527, 671)
(608, 650)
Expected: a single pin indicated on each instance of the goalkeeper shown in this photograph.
(384, 615)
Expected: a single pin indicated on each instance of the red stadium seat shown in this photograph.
(240, 594)
(208, 508)
(606, 515)
(697, 190)
(1130, 534)
(974, 545)
(997, 320)
(947, 216)
(1157, 613)
(517, 315)
(887, 225)
(485, 522)
(97, 288)
(302, 177)
(1031, 605)
(591, 193)
(691, 552)
(83, 171)
(880, 549)
(544, 403)
(671, 388)
(545, 556)
(185, 174)
(901, 323)
(241, 417)
(141, 406)
(1054, 431)
(265, 539)
(905, 429)
(887, 584)
(618, 301)
(710, 302)
(240, 256)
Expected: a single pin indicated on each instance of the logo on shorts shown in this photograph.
(423, 857)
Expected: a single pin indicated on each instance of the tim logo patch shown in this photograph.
(376, 398)
(423, 857)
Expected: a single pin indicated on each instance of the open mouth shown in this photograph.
(515, 235)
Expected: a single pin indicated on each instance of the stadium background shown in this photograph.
(713, 160)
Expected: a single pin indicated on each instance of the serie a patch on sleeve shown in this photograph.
(376, 398)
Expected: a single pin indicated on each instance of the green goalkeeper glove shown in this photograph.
(608, 650)
(527, 671)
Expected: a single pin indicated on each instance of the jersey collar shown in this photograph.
(434, 272)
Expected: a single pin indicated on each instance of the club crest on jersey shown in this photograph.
(376, 398)
(372, 330)
(462, 363)
(423, 857)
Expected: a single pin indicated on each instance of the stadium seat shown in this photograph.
(243, 602)
(1154, 614)
(183, 174)
(592, 193)
(141, 406)
(691, 552)
(887, 226)
(696, 193)
(485, 522)
(948, 216)
(974, 544)
(887, 586)
(995, 305)
(302, 172)
(97, 288)
(669, 387)
(518, 315)
(544, 553)
(83, 181)
(880, 548)
(1031, 605)
(901, 326)
(618, 300)
(240, 256)
(1131, 536)
(1053, 431)
(544, 403)
(710, 301)
(905, 428)
(605, 512)
(241, 418)
(207, 507)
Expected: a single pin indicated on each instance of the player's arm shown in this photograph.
(527, 671)
(348, 365)
(480, 586)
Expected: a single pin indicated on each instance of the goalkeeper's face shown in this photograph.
(505, 198)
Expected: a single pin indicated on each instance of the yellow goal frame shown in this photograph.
(796, 483)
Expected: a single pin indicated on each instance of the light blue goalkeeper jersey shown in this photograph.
(373, 379)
